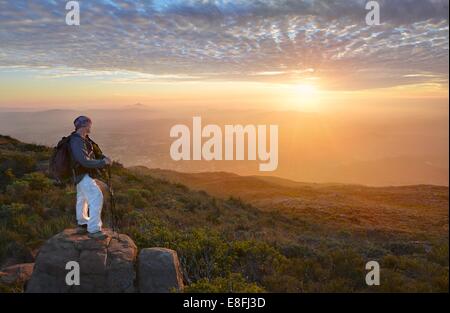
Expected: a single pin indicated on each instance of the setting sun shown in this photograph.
(306, 89)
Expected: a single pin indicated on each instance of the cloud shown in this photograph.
(282, 40)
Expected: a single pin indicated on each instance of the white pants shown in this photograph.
(89, 195)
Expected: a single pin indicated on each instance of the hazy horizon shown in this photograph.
(313, 146)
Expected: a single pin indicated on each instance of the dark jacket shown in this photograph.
(84, 157)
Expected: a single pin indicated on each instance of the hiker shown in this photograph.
(86, 169)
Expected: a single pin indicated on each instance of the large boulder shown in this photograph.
(105, 265)
(159, 271)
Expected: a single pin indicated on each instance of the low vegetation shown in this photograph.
(225, 245)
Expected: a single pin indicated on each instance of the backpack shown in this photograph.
(61, 166)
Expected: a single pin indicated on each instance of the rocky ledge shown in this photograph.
(110, 265)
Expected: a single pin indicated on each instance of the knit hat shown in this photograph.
(81, 121)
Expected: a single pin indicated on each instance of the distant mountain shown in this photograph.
(137, 106)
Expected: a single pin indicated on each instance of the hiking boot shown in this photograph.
(98, 235)
(81, 229)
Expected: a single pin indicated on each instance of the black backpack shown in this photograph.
(61, 165)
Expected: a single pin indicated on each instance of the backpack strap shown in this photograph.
(97, 151)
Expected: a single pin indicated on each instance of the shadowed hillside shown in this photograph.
(416, 210)
(228, 244)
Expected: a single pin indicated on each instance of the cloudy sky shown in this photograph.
(320, 43)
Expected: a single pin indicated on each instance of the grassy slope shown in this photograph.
(420, 210)
(229, 245)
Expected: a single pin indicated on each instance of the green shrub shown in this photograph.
(230, 284)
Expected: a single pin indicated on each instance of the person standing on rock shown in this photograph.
(88, 161)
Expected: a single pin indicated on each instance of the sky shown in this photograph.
(284, 54)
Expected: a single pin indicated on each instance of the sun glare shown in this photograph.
(306, 89)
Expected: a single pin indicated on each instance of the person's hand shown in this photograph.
(108, 161)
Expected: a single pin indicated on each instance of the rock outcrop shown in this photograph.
(18, 274)
(104, 266)
(159, 271)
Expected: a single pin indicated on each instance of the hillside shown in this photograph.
(229, 244)
(420, 210)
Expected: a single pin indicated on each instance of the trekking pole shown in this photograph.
(112, 202)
